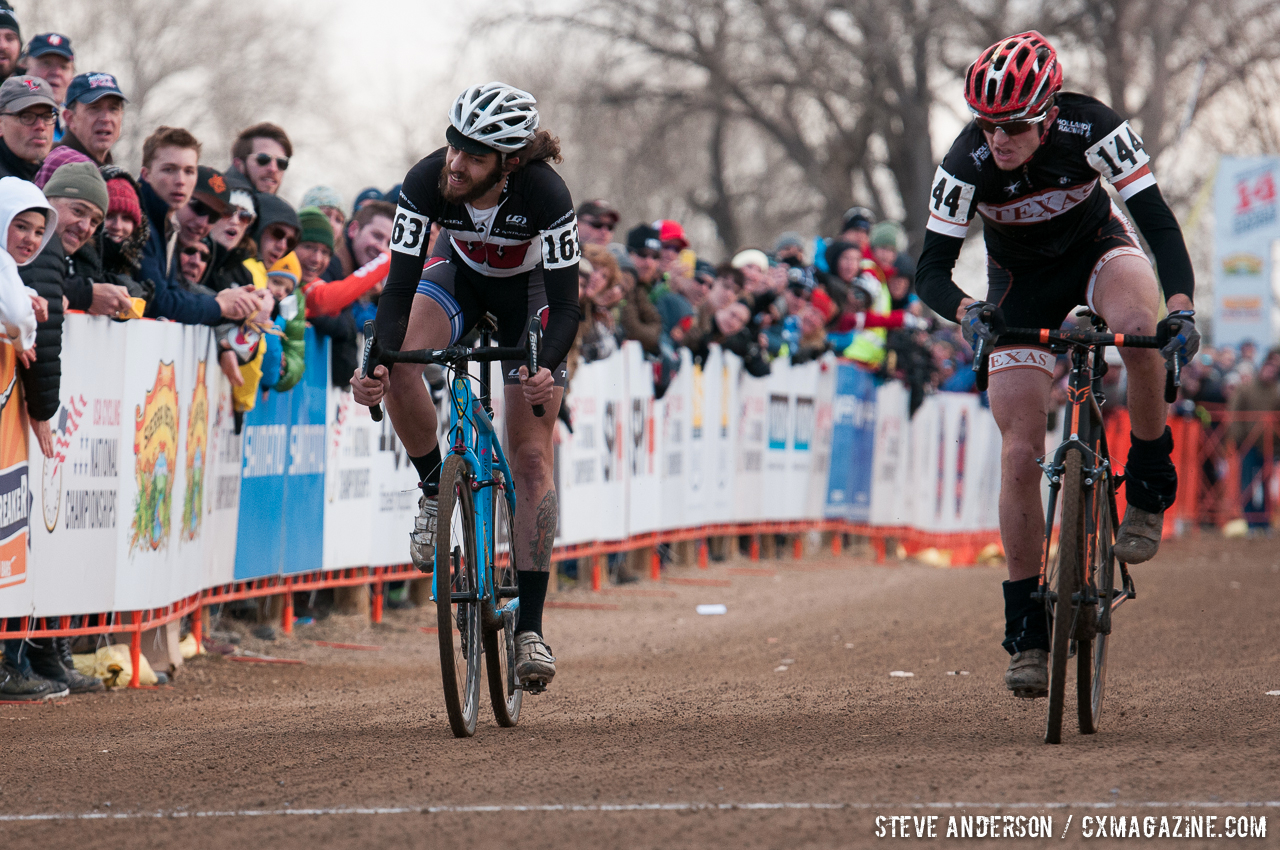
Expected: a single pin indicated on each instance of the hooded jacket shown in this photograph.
(16, 313)
(42, 380)
(170, 301)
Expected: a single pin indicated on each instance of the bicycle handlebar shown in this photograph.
(1044, 336)
(375, 355)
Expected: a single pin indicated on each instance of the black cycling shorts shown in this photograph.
(1043, 295)
(465, 296)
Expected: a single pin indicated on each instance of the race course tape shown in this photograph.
(621, 808)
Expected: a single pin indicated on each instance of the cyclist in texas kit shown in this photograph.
(1029, 165)
(508, 245)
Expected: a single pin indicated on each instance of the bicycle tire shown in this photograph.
(505, 693)
(456, 542)
(1091, 654)
(1065, 584)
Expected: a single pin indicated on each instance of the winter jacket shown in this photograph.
(170, 301)
(641, 320)
(295, 346)
(226, 268)
(69, 140)
(42, 381)
(11, 166)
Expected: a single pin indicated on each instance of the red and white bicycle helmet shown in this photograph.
(1014, 78)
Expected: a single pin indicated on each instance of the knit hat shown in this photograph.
(886, 234)
(79, 180)
(373, 193)
(57, 158)
(287, 266)
(272, 209)
(322, 196)
(124, 200)
(790, 239)
(8, 20)
(316, 227)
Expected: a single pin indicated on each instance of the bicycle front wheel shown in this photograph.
(1064, 581)
(1091, 655)
(458, 597)
(500, 628)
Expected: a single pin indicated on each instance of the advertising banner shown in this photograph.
(1244, 199)
(853, 438)
(892, 496)
(643, 439)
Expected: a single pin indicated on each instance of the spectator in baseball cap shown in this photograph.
(27, 115)
(49, 56)
(856, 227)
(210, 202)
(373, 193)
(10, 41)
(596, 221)
(94, 115)
(645, 247)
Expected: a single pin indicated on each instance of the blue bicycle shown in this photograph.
(474, 580)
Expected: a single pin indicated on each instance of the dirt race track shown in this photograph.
(656, 706)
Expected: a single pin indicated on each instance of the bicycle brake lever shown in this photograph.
(375, 410)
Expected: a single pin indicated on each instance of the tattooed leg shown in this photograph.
(537, 508)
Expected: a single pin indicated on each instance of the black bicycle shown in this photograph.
(1078, 583)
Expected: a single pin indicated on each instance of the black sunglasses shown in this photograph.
(283, 233)
(647, 253)
(264, 159)
(192, 251)
(1011, 128)
(203, 210)
(598, 224)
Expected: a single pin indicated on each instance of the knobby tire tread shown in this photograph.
(499, 645)
(1070, 551)
(452, 471)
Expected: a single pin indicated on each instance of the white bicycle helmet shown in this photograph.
(496, 116)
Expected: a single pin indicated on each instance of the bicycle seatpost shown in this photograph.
(535, 340)
(375, 410)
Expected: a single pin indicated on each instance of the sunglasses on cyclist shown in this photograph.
(598, 224)
(1011, 128)
(264, 159)
(200, 208)
(193, 251)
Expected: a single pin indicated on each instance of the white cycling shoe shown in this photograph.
(422, 540)
(535, 665)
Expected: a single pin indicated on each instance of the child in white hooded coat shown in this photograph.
(27, 223)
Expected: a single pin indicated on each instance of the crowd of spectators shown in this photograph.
(181, 241)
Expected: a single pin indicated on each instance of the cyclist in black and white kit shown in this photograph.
(508, 245)
(1031, 165)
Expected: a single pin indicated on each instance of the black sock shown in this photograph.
(533, 592)
(428, 466)
(1025, 624)
(1150, 478)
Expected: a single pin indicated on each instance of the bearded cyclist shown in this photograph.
(1029, 164)
(508, 245)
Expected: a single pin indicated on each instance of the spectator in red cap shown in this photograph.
(596, 221)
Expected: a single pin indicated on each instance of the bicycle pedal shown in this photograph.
(1029, 693)
(534, 686)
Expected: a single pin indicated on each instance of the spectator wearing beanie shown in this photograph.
(124, 233)
(329, 298)
(330, 203)
(886, 240)
(10, 41)
(290, 357)
(79, 194)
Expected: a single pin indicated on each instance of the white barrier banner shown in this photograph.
(643, 455)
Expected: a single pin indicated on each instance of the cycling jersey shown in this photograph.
(1050, 206)
(531, 229)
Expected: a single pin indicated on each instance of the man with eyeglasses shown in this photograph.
(596, 221)
(170, 176)
(261, 154)
(27, 115)
(1031, 165)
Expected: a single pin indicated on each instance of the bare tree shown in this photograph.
(211, 66)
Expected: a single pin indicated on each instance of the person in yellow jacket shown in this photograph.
(871, 293)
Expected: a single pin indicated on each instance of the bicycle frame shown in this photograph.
(1083, 429)
(473, 437)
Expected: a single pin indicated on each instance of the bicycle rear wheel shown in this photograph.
(458, 617)
(1091, 654)
(500, 631)
(1064, 580)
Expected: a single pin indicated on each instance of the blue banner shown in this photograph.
(281, 526)
(853, 437)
